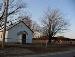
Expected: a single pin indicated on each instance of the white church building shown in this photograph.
(18, 33)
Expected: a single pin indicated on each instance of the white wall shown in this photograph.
(12, 33)
(1, 36)
(6, 36)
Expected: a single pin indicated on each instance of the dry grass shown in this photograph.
(20, 50)
(38, 48)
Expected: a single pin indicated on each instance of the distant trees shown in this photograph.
(53, 23)
(14, 7)
(35, 26)
(26, 19)
(36, 29)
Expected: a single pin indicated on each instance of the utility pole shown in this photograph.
(6, 4)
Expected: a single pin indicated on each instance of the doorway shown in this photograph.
(23, 38)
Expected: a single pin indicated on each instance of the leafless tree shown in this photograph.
(35, 26)
(26, 19)
(53, 23)
(14, 7)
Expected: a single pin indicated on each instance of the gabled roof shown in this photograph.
(11, 26)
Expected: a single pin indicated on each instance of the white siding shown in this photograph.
(12, 33)
(1, 36)
(6, 36)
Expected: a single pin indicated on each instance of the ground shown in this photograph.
(23, 50)
(15, 52)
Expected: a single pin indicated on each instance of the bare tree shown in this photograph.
(35, 26)
(14, 7)
(26, 19)
(53, 23)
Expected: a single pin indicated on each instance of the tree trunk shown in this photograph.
(50, 38)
